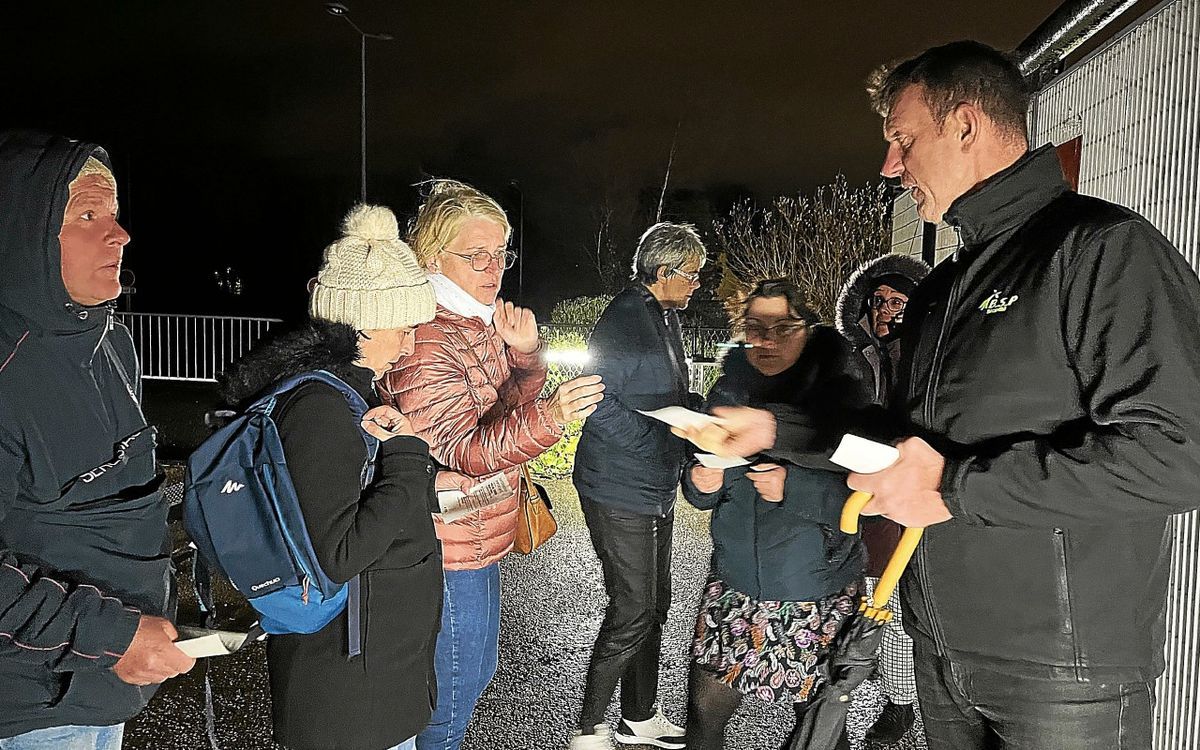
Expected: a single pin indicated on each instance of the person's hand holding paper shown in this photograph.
(462, 495)
(736, 431)
(907, 491)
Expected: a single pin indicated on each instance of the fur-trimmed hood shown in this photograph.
(316, 345)
(850, 302)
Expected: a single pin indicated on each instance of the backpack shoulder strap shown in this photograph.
(266, 402)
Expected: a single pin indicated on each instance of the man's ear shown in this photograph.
(965, 121)
(661, 274)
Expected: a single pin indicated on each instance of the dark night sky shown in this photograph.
(234, 126)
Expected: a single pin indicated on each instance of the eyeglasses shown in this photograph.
(893, 305)
(506, 259)
(691, 278)
(784, 330)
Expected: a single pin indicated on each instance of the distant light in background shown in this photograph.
(572, 357)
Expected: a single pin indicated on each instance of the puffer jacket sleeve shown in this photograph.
(809, 429)
(432, 388)
(617, 351)
(722, 393)
(528, 376)
(1129, 327)
(698, 498)
(45, 619)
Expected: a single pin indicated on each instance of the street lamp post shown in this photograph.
(520, 241)
(341, 11)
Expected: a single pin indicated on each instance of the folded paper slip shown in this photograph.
(720, 462)
(201, 642)
(455, 504)
(677, 416)
(864, 456)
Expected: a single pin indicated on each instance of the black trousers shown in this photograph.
(973, 708)
(635, 555)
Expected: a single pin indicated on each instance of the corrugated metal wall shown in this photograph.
(1136, 102)
(1137, 105)
(906, 226)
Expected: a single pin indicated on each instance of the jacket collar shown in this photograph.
(455, 299)
(316, 345)
(1007, 199)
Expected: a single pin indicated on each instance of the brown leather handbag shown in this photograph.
(535, 522)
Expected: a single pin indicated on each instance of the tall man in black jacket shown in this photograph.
(1049, 378)
(84, 569)
(627, 471)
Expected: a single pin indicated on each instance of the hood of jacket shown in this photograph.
(36, 170)
(315, 345)
(852, 299)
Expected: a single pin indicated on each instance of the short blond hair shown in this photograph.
(94, 166)
(446, 208)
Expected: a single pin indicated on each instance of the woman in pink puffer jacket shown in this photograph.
(471, 390)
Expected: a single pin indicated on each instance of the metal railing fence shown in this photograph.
(198, 347)
(191, 347)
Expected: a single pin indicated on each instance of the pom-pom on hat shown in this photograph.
(370, 278)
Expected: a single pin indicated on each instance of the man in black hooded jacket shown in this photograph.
(84, 566)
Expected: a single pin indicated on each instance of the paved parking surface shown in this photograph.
(552, 606)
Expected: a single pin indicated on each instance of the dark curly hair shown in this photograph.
(772, 288)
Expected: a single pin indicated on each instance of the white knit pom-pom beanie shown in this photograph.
(370, 278)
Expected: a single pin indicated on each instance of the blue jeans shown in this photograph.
(968, 707)
(67, 738)
(465, 659)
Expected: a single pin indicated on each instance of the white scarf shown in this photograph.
(452, 297)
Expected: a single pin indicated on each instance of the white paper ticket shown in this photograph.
(678, 416)
(199, 643)
(720, 462)
(456, 504)
(864, 456)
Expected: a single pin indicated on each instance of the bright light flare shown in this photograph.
(569, 357)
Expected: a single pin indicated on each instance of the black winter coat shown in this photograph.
(321, 699)
(83, 525)
(627, 460)
(791, 550)
(1055, 362)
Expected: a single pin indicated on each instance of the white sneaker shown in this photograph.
(657, 731)
(601, 740)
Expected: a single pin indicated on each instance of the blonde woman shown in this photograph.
(471, 390)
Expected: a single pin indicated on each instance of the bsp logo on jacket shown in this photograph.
(996, 303)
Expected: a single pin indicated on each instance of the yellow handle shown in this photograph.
(851, 511)
(891, 574)
(904, 550)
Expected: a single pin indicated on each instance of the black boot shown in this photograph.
(892, 724)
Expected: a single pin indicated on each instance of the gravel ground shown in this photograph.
(552, 605)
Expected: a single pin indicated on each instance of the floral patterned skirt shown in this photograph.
(767, 650)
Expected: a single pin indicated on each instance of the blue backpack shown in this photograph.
(241, 511)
